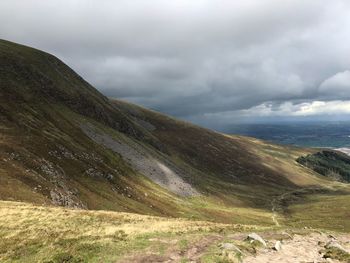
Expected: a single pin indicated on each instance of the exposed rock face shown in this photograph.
(160, 170)
(49, 169)
(61, 194)
(62, 153)
(64, 197)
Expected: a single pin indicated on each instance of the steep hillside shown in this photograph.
(64, 143)
(231, 159)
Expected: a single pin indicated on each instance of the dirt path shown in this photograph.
(173, 254)
(274, 212)
(276, 202)
(194, 253)
(275, 205)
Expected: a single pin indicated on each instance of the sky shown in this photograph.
(210, 62)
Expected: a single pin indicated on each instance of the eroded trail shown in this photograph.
(274, 212)
(192, 253)
(276, 202)
(275, 206)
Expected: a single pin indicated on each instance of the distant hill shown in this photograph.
(328, 163)
(64, 143)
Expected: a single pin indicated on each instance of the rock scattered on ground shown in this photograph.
(278, 245)
(152, 165)
(255, 237)
(304, 248)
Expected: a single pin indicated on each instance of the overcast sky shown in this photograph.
(212, 62)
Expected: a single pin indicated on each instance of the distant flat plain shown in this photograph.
(325, 134)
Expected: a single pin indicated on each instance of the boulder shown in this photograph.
(255, 237)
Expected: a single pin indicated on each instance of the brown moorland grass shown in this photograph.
(31, 233)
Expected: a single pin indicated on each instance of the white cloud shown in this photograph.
(337, 85)
(299, 109)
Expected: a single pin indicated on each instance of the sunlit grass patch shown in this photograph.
(32, 233)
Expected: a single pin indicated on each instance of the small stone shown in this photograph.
(175, 257)
(277, 246)
(288, 235)
(255, 237)
(320, 243)
(332, 237)
(110, 177)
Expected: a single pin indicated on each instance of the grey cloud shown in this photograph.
(193, 58)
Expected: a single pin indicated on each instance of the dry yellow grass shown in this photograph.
(31, 233)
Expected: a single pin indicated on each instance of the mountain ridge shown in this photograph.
(64, 143)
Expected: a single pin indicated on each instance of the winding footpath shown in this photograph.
(275, 203)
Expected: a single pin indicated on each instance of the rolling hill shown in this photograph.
(62, 143)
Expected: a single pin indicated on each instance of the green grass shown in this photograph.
(183, 244)
(320, 211)
(337, 254)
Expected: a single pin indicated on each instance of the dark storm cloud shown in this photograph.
(196, 59)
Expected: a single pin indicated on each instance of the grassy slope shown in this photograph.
(41, 98)
(31, 233)
(232, 159)
(324, 211)
(276, 161)
(42, 104)
(46, 234)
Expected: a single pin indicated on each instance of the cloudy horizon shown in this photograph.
(210, 62)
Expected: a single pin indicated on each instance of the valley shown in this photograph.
(86, 178)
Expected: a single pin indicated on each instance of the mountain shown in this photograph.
(63, 143)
